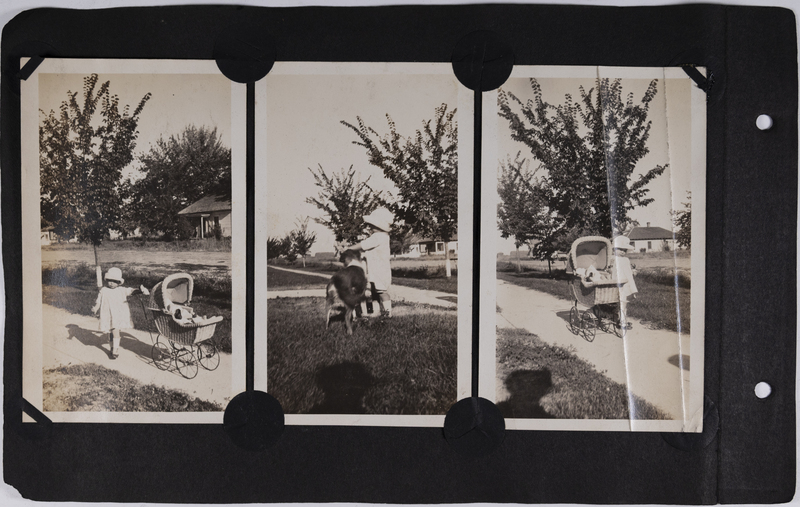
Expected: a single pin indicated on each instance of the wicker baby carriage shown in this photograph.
(188, 342)
(599, 299)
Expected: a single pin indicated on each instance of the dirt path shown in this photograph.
(647, 361)
(398, 292)
(72, 339)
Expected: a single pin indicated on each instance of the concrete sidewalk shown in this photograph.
(398, 292)
(73, 339)
(646, 360)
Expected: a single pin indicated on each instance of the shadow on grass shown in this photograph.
(527, 388)
(681, 361)
(344, 386)
(102, 342)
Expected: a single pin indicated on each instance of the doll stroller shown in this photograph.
(596, 304)
(188, 344)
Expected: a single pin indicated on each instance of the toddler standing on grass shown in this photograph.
(112, 308)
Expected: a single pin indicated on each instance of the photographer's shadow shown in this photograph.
(526, 389)
(344, 385)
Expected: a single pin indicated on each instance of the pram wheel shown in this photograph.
(208, 356)
(588, 326)
(574, 320)
(186, 362)
(162, 355)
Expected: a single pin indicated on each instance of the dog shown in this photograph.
(347, 287)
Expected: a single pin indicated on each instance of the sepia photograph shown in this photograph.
(366, 267)
(599, 252)
(131, 180)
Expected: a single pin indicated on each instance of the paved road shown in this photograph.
(72, 339)
(646, 360)
(398, 292)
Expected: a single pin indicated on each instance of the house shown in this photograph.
(48, 235)
(207, 214)
(651, 239)
(426, 246)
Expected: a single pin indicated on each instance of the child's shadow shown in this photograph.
(102, 342)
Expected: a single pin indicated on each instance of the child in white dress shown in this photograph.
(377, 254)
(112, 307)
(622, 273)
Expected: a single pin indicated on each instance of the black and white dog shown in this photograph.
(347, 287)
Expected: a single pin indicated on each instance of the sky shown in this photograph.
(303, 131)
(177, 100)
(669, 114)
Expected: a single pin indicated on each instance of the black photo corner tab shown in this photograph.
(254, 420)
(482, 61)
(40, 429)
(474, 427)
(244, 52)
(697, 441)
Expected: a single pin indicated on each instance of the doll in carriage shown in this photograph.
(601, 283)
(188, 336)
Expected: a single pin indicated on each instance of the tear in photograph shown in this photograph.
(596, 252)
(364, 179)
(133, 213)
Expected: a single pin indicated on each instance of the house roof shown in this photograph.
(417, 239)
(207, 204)
(646, 233)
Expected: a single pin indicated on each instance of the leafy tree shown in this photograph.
(424, 168)
(289, 253)
(521, 213)
(276, 247)
(401, 236)
(344, 200)
(589, 150)
(178, 171)
(302, 239)
(683, 221)
(82, 151)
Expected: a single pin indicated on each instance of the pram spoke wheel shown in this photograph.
(574, 320)
(187, 363)
(208, 356)
(162, 355)
(588, 326)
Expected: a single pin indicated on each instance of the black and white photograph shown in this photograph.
(599, 249)
(132, 213)
(364, 257)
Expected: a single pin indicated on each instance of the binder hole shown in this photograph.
(763, 390)
(764, 122)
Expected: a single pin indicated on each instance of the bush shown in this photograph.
(184, 229)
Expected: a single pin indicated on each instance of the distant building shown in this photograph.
(651, 239)
(207, 214)
(426, 246)
(48, 235)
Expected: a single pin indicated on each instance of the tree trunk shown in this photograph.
(447, 260)
(549, 267)
(519, 263)
(304, 261)
(98, 269)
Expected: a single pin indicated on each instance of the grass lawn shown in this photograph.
(152, 245)
(94, 388)
(402, 365)
(278, 279)
(425, 278)
(546, 381)
(654, 304)
(74, 289)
